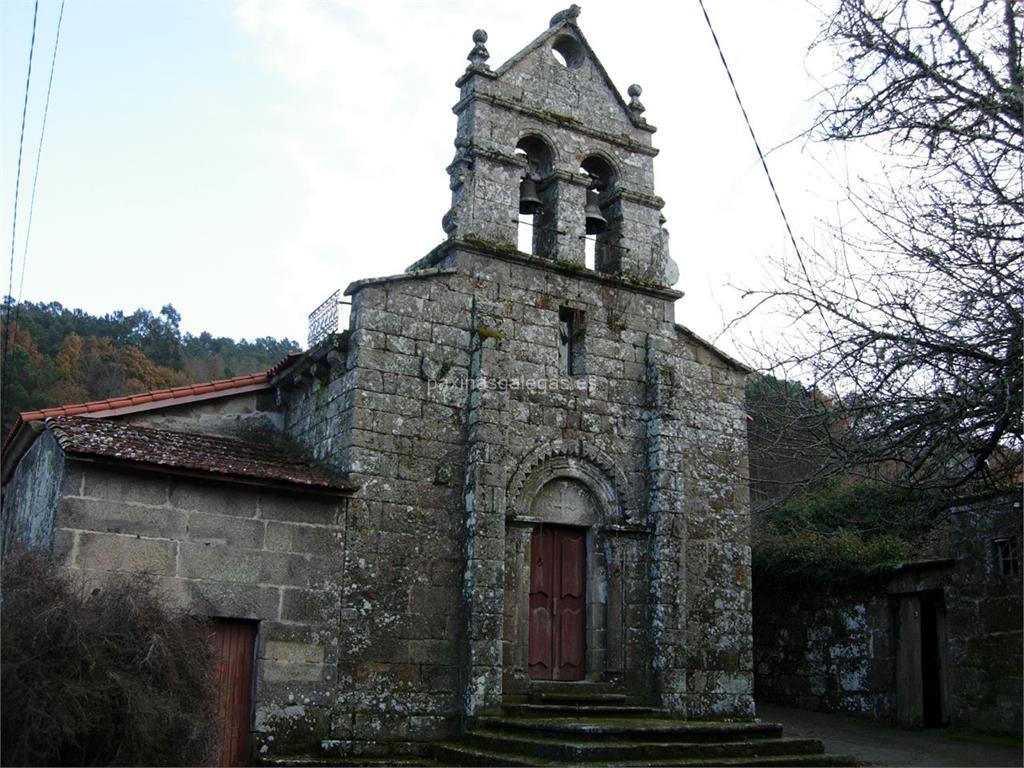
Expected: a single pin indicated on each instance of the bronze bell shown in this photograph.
(596, 222)
(529, 199)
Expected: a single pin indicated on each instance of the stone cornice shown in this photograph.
(418, 274)
(471, 149)
(510, 254)
(650, 201)
(476, 69)
(619, 140)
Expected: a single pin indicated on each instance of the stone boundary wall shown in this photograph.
(821, 650)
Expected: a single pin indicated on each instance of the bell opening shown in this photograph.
(590, 252)
(599, 176)
(529, 198)
(596, 223)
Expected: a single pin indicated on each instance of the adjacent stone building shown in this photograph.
(512, 467)
(926, 644)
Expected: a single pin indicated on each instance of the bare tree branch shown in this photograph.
(918, 357)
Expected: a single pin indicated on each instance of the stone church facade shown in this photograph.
(512, 467)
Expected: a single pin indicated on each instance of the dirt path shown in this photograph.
(886, 745)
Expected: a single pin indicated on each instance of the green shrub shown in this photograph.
(840, 531)
(866, 508)
(108, 676)
(836, 556)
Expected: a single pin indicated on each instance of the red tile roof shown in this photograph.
(251, 381)
(161, 449)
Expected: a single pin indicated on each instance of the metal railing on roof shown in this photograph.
(325, 319)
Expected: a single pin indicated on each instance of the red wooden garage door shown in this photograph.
(235, 641)
(557, 603)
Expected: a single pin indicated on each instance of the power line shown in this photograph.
(17, 185)
(771, 183)
(753, 136)
(39, 154)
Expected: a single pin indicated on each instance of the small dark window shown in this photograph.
(1007, 556)
(571, 340)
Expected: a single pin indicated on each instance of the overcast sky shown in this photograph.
(241, 160)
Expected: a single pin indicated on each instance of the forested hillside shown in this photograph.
(58, 355)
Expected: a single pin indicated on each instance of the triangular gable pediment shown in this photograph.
(582, 91)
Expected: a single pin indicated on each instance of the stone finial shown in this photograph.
(569, 14)
(479, 55)
(634, 100)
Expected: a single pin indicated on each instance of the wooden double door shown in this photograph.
(558, 603)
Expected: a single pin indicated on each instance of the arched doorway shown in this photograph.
(557, 586)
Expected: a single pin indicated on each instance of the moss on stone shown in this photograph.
(486, 332)
(635, 278)
(615, 321)
(564, 119)
(299, 733)
(491, 245)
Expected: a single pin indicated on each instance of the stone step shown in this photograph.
(784, 761)
(632, 728)
(551, 697)
(458, 753)
(566, 751)
(582, 687)
(451, 754)
(580, 710)
(322, 761)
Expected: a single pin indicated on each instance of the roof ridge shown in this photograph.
(160, 395)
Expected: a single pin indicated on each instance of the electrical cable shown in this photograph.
(753, 136)
(17, 184)
(39, 154)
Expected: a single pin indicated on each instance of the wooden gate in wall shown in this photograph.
(235, 643)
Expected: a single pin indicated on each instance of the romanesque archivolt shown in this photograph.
(581, 462)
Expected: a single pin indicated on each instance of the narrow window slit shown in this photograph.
(572, 340)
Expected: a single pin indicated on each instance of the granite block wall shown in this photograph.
(452, 402)
(221, 550)
(826, 651)
(985, 617)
